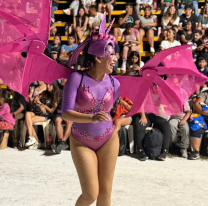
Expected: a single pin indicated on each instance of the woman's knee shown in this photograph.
(58, 120)
(150, 32)
(89, 197)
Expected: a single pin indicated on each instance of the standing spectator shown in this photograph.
(188, 16)
(109, 7)
(203, 20)
(133, 65)
(80, 24)
(129, 17)
(54, 7)
(148, 23)
(187, 34)
(169, 18)
(165, 4)
(143, 120)
(192, 3)
(87, 4)
(19, 107)
(179, 123)
(73, 6)
(141, 4)
(131, 42)
(71, 46)
(95, 18)
(56, 44)
(170, 42)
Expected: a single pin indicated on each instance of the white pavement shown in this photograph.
(38, 178)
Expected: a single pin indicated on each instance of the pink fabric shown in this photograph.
(133, 37)
(5, 114)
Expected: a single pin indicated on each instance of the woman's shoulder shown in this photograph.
(115, 81)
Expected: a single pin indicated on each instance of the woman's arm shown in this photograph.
(74, 22)
(138, 39)
(48, 109)
(122, 39)
(85, 23)
(183, 39)
(19, 110)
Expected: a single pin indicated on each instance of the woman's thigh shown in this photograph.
(107, 156)
(86, 163)
(36, 119)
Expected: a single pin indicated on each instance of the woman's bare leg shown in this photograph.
(195, 143)
(107, 156)
(59, 127)
(86, 163)
(67, 130)
(29, 123)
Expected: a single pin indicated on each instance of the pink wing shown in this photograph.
(166, 97)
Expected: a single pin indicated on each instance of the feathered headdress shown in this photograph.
(98, 42)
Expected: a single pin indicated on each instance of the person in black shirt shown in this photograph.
(188, 16)
(187, 34)
(197, 37)
(178, 36)
(19, 107)
(129, 17)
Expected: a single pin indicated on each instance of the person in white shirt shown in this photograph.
(169, 18)
(95, 18)
(170, 42)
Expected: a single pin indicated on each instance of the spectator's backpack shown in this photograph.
(152, 143)
(123, 135)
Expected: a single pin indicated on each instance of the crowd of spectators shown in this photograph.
(173, 29)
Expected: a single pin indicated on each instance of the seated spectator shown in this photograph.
(188, 16)
(165, 4)
(131, 42)
(202, 65)
(129, 17)
(56, 44)
(169, 18)
(203, 20)
(143, 120)
(19, 109)
(109, 7)
(87, 4)
(54, 7)
(73, 6)
(133, 65)
(202, 50)
(36, 90)
(62, 134)
(95, 18)
(196, 136)
(80, 24)
(141, 4)
(197, 38)
(178, 36)
(170, 42)
(70, 47)
(55, 55)
(187, 34)
(192, 3)
(148, 23)
(178, 123)
(41, 110)
(117, 53)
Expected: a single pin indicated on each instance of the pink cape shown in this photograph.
(25, 28)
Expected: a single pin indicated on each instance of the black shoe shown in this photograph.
(142, 156)
(162, 156)
(61, 145)
(194, 155)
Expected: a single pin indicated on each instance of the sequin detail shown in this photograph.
(83, 135)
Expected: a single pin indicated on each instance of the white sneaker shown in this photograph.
(34, 146)
(30, 142)
(152, 50)
(123, 66)
(66, 11)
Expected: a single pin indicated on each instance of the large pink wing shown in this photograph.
(164, 97)
(24, 19)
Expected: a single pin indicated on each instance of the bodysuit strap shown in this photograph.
(81, 79)
(112, 80)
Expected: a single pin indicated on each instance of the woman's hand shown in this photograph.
(43, 109)
(143, 121)
(37, 100)
(125, 104)
(100, 117)
(136, 67)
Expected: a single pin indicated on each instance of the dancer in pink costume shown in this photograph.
(89, 96)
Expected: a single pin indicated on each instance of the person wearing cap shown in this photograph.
(54, 54)
(192, 3)
(188, 16)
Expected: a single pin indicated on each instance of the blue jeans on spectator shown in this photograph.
(75, 6)
(195, 8)
(53, 8)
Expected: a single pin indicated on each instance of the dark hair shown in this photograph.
(201, 58)
(174, 32)
(148, 7)
(174, 26)
(83, 17)
(59, 36)
(188, 6)
(198, 31)
(129, 26)
(93, 7)
(128, 63)
(5, 94)
(55, 95)
(71, 35)
(167, 13)
(204, 37)
(128, 4)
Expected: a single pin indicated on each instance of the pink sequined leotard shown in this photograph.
(90, 97)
